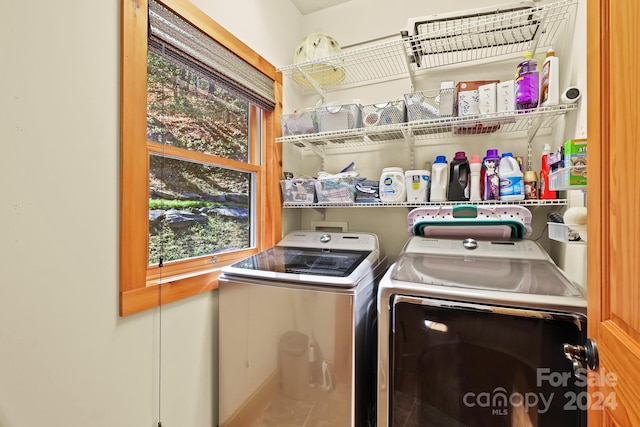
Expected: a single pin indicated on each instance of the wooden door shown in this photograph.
(613, 203)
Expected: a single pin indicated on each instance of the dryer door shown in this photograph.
(462, 364)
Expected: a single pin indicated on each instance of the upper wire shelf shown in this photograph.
(438, 129)
(440, 43)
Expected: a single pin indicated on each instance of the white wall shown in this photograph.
(66, 358)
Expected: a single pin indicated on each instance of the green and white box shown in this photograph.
(575, 158)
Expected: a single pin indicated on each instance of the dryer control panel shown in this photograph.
(514, 249)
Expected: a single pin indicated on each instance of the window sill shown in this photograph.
(171, 289)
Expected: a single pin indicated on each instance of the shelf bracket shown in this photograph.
(314, 84)
(410, 140)
(314, 148)
(536, 122)
(414, 58)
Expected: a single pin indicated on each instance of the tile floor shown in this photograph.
(319, 409)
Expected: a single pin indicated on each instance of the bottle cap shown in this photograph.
(440, 159)
(492, 152)
(527, 54)
(551, 52)
(460, 155)
(507, 154)
(392, 169)
(474, 159)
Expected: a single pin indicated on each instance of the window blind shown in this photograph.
(171, 35)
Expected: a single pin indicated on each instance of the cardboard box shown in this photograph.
(575, 158)
(469, 105)
(487, 98)
(505, 97)
(469, 96)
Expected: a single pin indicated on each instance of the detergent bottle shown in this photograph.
(417, 185)
(392, 186)
(489, 175)
(439, 179)
(511, 183)
(475, 167)
(459, 177)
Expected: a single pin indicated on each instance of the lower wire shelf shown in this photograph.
(554, 202)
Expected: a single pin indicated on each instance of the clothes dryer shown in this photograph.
(471, 333)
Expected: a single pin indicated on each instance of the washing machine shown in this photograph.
(471, 333)
(297, 332)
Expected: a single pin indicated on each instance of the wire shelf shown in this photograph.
(554, 202)
(441, 43)
(432, 130)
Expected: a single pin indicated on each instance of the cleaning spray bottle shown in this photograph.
(545, 191)
(475, 166)
(549, 80)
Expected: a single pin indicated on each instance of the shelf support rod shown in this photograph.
(313, 83)
(408, 137)
(536, 38)
(536, 122)
(410, 46)
(318, 152)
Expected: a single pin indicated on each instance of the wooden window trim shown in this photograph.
(142, 287)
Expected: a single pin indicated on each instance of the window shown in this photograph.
(199, 164)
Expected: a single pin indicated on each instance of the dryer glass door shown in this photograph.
(461, 364)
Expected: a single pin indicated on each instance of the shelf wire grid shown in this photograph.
(433, 130)
(445, 42)
(553, 202)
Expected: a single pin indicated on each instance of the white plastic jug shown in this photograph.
(392, 186)
(439, 179)
(417, 185)
(511, 182)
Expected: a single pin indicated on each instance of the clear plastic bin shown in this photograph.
(341, 190)
(298, 191)
(567, 233)
(571, 178)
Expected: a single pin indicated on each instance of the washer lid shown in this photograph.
(305, 261)
(469, 269)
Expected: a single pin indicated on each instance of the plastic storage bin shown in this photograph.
(338, 117)
(341, 190)
(387, 113)
(299, 123)
(567, 232)
(571, 178)
(295, 191)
